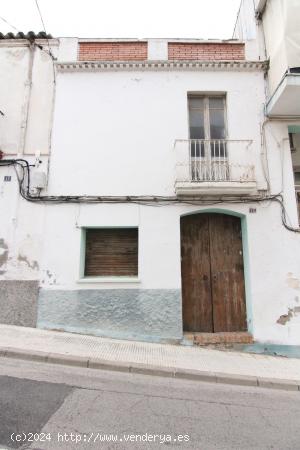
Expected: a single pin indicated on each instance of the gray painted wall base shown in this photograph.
(142, 314)
(18, 302)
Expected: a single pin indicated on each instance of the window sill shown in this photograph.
(109, 280)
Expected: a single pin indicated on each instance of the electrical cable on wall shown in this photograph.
(146, 200)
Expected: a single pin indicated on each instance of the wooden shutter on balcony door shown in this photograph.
(111, 252)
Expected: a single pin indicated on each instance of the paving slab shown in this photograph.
(179, 361)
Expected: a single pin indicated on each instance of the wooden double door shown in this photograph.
(212, 272)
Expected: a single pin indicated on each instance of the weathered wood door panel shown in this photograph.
(227, 269)
(212, 270)
(195, 269)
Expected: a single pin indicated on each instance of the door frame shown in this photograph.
(246, 258)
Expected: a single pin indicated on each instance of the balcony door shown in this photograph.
(207, 131)
(212, 273)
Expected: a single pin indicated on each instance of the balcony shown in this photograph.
(214, 167)
(285, 102)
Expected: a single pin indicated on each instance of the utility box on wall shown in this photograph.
(39, 180)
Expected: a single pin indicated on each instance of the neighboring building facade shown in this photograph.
(276, 31)
(159, 211)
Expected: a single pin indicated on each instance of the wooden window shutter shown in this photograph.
(111, 252)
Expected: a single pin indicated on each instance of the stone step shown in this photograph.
(219, 338)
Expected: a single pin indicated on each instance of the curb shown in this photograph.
(144, 369)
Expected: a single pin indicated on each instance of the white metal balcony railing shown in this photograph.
(202, 163)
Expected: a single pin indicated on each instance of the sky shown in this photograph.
(201, 19)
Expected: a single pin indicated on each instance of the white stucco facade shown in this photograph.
(113, 133)
(272, 27)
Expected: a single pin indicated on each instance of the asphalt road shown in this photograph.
(45, 406)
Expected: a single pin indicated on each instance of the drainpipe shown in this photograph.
(51, 124)
(26, 103)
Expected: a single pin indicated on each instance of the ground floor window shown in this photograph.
(111, 252)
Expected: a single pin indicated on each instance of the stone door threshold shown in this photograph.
(237, 337)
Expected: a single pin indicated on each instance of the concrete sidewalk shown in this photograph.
(154, 359)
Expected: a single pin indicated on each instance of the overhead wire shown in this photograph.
(40, 14)
(34, 43)
(49, 49)
(156, 201)
(144, 200)
(9, 24)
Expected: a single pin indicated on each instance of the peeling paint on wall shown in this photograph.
(33, 264)
(51, 278)
(287, 317)
(48, 278)
(3, 252)
(292, 282)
